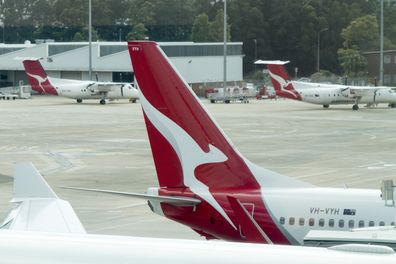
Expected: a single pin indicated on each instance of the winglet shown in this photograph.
(273, 62)
(38, 207)
(249, 226)
(28, 183)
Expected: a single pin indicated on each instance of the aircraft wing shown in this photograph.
(104, 87)
(174, 200)
(361, 91)
(38, 208)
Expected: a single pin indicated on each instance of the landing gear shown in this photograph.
(132, 100)
(355, 107)
(227, 101)
(212, 101)
(102, 101)
(326, 106)
(79, 100)
(392, 105)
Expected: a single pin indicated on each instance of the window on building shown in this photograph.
(301, 221)
(387, 78)
(351, 223)
(331, 222)
(282, 220)
(341, 223)
(311, 222)
(387, 59)
(291, 221)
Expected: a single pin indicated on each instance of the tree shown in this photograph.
(216, 28)
(361, 34)
(78, 37)
(352, 62)
(201, 29)
(138, 33)
(83, 36)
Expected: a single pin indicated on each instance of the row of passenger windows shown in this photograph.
(331, 222)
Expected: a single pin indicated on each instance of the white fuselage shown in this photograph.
(89, 89)
(296, 211)
(328, 94)
(29, 247)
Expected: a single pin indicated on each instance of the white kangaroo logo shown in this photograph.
(282, 83)
(39, 79)
(189, 152)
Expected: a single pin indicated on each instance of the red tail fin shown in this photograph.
(38, 78)
(280, 79)
(188, 147)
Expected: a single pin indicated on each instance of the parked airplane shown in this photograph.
(76, 89)
(326, 94)
(212, 185)
(44, 229)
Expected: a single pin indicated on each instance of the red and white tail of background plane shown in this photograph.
(38, 78)
(238, 200)
(280, 79)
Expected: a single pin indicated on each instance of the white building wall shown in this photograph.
(195, 69)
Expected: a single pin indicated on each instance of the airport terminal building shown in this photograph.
(199, 63)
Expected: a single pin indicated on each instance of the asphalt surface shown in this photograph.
(95, 146)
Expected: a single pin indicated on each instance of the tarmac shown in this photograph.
(106, 147)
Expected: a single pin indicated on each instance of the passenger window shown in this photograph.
(341, 223)
(331, 222)
(301, 221)
(393, 223)
(321, 222)
(351, 223)
(361, 223)
(291, 221)
(371, 223)
(282, 220)
(382, 223)
(311, 222)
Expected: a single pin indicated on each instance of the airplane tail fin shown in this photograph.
(280, 79)
(38, 207)
(38, 78)
(188, 147)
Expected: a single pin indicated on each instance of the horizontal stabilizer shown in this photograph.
(174, 200)
(249, 226)
(273, 62)
(38, 207)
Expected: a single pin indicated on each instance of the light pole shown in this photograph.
(255, 55)
(381, 73)
(318, 51)
(3, 29)
(225, 46)
(90, 37)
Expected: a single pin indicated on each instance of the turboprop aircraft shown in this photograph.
(326, 94)
(76, 89)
